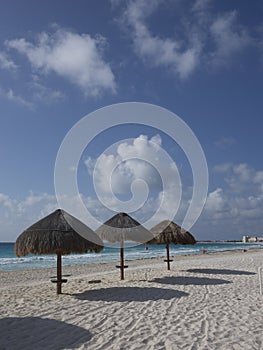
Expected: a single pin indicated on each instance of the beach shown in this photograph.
(206, 301)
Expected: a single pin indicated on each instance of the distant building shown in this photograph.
(252, 239)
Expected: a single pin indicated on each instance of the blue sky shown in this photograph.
(201, 59)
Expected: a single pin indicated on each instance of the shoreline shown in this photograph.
(35, 276)
(9, 262)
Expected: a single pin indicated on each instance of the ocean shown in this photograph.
(9, 262)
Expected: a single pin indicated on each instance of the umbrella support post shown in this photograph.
(59, 273)
(168, 256)
(122, 266)
(122, 262)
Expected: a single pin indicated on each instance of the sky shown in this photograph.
(200, 59)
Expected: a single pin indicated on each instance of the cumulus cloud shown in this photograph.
(42, 93)
(225, 142)
(75, 57)
(143, 159)
(11, 96)
(235, 208)
(198, 36)
(17, 214)
(6, 62)
(230, 212)
(200, 5)
(232, 209)
(241, 178)
(7, 202)
(182, 58)
(35, 200)
(222, 168)
(229, 37)
(215, 201)
(258, 179)
(131, 162)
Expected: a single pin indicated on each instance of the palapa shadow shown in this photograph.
(221, 272)
(124, 294)
(185, 281)
(28, 333)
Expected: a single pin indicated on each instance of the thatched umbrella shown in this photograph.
(167, 232)
(120, 228)
(54, 234)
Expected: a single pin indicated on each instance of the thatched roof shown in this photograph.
(169, 232)
(54, 233)
(122, 227)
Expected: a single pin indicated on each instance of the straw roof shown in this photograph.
(122, 227)
(169, 232)
(54, 233)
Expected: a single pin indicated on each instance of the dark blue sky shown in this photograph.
(202, 60)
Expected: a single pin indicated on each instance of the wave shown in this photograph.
(10, 262)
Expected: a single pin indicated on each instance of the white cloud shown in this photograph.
(17, 214)
(222, 168)
(201, 5)
(228, 213)
(199, 38)
(181, 57)
(258, 179)
(235, 208)
(141, 159)
(229, 37)
(38, 93)
(11, 96)
(216, 202)
(6, 62)
(244, 172)
(75, 57)
(132, 161)
(28, 204)
(7, 202)
(225, 142)
(44, 94)
(241, 179)
(35, 200)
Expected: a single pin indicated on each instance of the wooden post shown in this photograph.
(59, 273)
(168, 256)
(122, 260)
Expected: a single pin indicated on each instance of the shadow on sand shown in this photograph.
(221, 271)
(29, 333)
(123, 294)
(184, 281)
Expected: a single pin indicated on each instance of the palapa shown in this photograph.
(167, 232)
(58, 234)
(120, 228)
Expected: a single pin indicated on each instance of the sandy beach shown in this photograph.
(208, 301)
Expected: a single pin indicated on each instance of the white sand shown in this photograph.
(216, 306)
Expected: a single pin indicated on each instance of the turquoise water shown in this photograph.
(8, 260)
